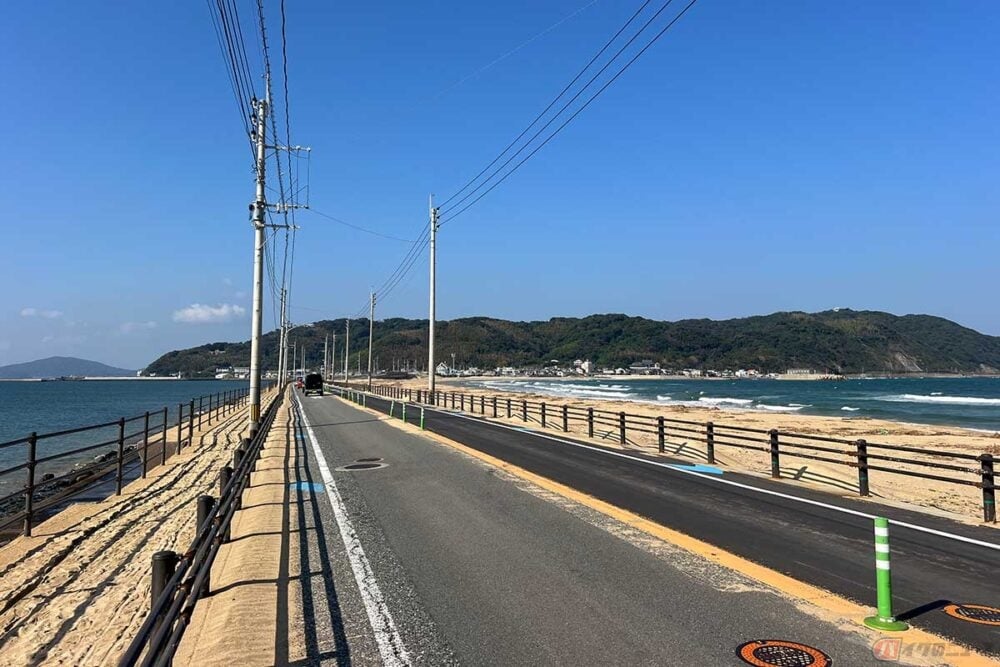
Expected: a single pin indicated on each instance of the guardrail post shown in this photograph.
(883, 620)
(209, 409)
(543, 414)
(201, 410)
(404, 412)
(710, 441)
(163, 445)
(989, 489)
(421, 418)
(29, 491)
(590, 422)
(660, 437)
(494, 407)
(508, 409)
(775, 461)
(392, 407)
(121, 456)
(482, 405)
(565, 416)
(164, 566)
(862, 453)
(204, 514)
(621, 427)
(524, 410)
(452, 400)
(225, 474)
(145, 444)
(191, 423)
(180, 420)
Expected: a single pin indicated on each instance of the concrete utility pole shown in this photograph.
(326, 357)
(257, 208)
(295, 361)
(282, 350)
(433, 308)
(371, 339)
(333, 359)
(347, 348)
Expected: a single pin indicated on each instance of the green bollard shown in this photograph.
(421, 418)
(883, 619)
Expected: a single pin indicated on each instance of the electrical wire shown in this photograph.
(358, 227)
(572, 116)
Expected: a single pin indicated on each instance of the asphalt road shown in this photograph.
(816, 545)
(477, 568)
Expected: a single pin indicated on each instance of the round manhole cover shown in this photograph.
(368, 460)
(352, 467)
(974, 613)
(779, 653)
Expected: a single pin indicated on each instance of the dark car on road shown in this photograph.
(314, 384)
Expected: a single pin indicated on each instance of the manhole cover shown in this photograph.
(361, 466)
(779, 653)
(368, 460)
(974, 613)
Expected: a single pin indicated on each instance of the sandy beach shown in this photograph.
(960, 501)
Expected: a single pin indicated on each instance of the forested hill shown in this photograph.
(835, 341)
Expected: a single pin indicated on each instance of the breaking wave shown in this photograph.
(932, 398)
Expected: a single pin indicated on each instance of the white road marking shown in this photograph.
(729, 482)
(390, 643)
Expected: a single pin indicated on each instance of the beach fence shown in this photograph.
(624, 429)
(180, 580)
(59, 465)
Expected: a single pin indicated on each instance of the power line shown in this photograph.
(550, 105)
(573, 116)
(358, 227)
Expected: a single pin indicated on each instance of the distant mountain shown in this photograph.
(833, 341)
(54, 367)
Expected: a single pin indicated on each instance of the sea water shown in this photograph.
(968, 402)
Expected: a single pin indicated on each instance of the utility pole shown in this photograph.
(333, 359)
(433, 308)
(282, 349)
(295, 361)
(371, 339)
(347, 348)
(257, 208)
(326, 357)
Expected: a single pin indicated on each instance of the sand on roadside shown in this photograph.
(77, 591)
(964, 502)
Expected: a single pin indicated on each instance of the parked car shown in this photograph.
(314, 384)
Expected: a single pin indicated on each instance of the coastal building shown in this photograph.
(587, 367)
(223, 373)
(800, 371)
(645, 367)
(442, 369)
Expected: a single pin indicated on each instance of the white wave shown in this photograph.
(937, 393)
(663, 397)
(726, 401)
(951, 400)
(850, 409)
(779, 408)
(800, 405)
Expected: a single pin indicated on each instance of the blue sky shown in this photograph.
(760, 157)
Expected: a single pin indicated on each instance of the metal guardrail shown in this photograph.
(976, 470)
(131, 438)
(180, 580)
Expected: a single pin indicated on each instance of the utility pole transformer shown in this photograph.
(433, 308)
(371, 339)
(257, 209)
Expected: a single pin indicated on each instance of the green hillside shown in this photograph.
(835, 341)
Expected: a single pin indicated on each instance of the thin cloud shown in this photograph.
(198, 313)
(41, 312)
(131, 327)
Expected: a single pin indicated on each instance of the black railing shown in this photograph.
(965, 469)
(179, 580)
(133, 445)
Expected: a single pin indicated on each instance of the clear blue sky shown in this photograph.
(763, 156)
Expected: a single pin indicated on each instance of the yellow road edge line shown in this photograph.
(957, 654)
